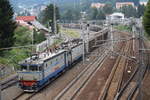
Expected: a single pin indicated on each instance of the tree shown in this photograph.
(7, 24)
(93, 13)
(22, 36)
(76, 14)
(129, 11)
(68, 15)
(146, 19)
(108, 9)
(38, 36)
(100, 15)
(140, 10)
(48, 16)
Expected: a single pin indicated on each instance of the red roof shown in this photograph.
(26, 18)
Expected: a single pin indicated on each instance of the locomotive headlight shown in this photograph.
(20, 78)
(34, 78)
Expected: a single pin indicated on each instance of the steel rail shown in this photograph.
(9, 83)
(112, 75)
(118, 96)
(97, 62)
(35, 93)
(21, 94)
(131, 94)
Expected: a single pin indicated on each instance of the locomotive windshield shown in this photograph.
(23, 68)
(30, 68)
(33, 68)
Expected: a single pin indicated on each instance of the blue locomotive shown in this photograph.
(36, 71)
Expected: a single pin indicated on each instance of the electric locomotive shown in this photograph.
(35, 72)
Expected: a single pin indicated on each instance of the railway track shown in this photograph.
(28, 96)
(24, 96)
(115, 87)
(9, 83)
(115, 80)
(78, 83)
(74, 88)
(119, 88)
(131, 87)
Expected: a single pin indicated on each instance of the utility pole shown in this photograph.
(112, 38)
(140, 64)
(88, 25)
(54, 18)
(133, 33)
(32, 38)
(0, 86)
(83, 42)
(1, 82)
(133, 36)
(74, 4)
(83, 35)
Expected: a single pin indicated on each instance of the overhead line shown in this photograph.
(17, 47)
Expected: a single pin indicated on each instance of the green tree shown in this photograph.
(48, 17)
(146, 19)
(140, 10)
(100, 15)
(108, 9)
(38, 37)
(71, 14)
(68, 15)
(7, 24)
(93, 13)
(76, 14)
(129, 11)
(23, 36)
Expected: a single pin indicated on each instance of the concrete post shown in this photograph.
(112, 39)
(1, 84)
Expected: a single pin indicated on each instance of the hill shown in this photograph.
(29, 3)
(19, 5)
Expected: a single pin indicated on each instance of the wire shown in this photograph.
(17, 47)
(119, 39)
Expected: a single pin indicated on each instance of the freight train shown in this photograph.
(37, 71)
(94, 28)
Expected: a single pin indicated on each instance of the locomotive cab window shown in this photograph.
(30, 68)
(40, 68)
(33, 68)
(23, 68)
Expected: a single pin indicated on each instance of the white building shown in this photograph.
(97, 5)
(115, 16)
(143, 2)
(121, 4)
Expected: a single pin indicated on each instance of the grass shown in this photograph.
(70, 32)
(57, 41)
(12, 57)
(127, 28)
(123, 28)
(147, 35)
